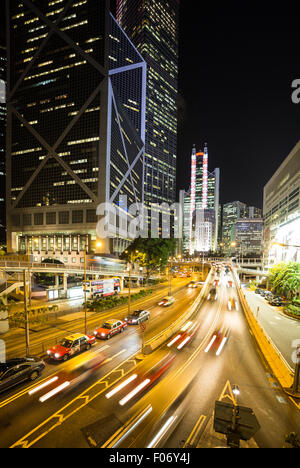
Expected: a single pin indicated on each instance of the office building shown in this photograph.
(281, 211)
(232, 211)
(76, 127)
(152, 25)
(248, 237)
(3, 65)
(202, 221)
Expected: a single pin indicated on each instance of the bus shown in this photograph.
(102, 288)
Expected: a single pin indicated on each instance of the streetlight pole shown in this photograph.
(26, 315)
(85, 285)
(170, 280)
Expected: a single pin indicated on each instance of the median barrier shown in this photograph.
(278, 365)
(163, 336)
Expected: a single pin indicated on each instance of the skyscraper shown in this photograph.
(76, 125)
(232, 211)
(152, 25)
(202, 222)
(3, 64)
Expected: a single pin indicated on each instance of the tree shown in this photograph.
(151, 254)
(285, 279)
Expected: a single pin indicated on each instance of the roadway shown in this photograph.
(18, 403)
(172, 411)
(53, 333)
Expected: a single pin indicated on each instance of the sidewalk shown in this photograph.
(282, 330)
(72, 321)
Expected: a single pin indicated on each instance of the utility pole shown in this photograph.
(26, 315)
(170, 280)
(85, 286)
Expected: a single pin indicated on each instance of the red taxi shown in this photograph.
(70, 346)
(110, 328)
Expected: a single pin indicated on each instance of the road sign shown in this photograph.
(143, 327)
(246, 422)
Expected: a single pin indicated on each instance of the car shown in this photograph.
(192, 284)
(16, 371)
(232, 304)
(110, 328)
(275, 301)
(71, 345)
(212, 296)
(166, 301)
(185, 336)
(218, 340)
(137, 317)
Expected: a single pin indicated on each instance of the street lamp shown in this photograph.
(131, 260)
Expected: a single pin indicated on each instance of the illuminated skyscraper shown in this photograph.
(203, 203)
(76, 125)
(152, 25)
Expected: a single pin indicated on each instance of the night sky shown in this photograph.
(236, 70)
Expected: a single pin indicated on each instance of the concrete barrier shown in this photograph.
(163, 336)
(277, 363)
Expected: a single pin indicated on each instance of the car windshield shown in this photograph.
(108, 326)
(66, 343)
(136, 313)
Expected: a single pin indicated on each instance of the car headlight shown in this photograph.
(102, 334)
(56, 355)
(48, 352)
(95, 333)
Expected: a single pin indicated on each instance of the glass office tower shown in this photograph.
(152, 25)
(76, 122)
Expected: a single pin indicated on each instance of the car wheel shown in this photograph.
(121, 330)
(88, 346)
(66, 357)
(34, 375)
(108, 337)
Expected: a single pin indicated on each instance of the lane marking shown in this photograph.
(195, 432)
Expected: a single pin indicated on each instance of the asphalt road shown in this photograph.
(22, 412)
(176, 405)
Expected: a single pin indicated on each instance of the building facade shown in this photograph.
(3, 66)
(248, 237)
(201, 206)
(75, 127)
(232, 211)
(152, 25)
(281, 211)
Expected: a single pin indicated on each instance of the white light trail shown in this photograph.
(174, 341)
(210, 343)
(162, 431)
(184, 342)
(122, 385)
(40, 387)
(221, 346)
(134, 392)
(54, 392)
